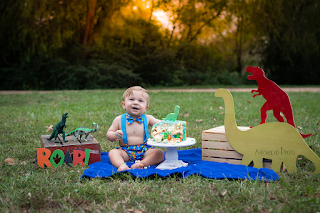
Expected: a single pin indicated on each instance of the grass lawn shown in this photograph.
(27, 187)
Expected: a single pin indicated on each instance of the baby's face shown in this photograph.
(136, 104)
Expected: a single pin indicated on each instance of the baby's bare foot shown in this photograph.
(137, 166)
(123, 167)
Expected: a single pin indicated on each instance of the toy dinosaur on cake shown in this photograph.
(170, 130)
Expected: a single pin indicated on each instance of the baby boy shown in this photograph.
(131, 130)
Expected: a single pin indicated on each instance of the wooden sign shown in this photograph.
(277, 141)
(277, 100)
(48, 159)
(68, 147)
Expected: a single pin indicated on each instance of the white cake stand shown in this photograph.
(171, 157)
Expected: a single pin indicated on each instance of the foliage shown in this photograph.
(62, 45)
(290, 37)
(25, 187)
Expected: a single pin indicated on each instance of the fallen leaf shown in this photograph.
(213, 102)
(299, 127)
(264, 210)
(224, 193)
(199, 120)
(49, 128)
(23, 163)
(220, 107)
(316, 195)
(186, 114)
(10, 161)
(115, 206)
(272, 198)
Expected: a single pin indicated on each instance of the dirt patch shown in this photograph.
(300, 89)
(286, 89)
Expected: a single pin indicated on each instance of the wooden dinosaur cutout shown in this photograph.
(277, 99)
(173, 116)
(277, 141)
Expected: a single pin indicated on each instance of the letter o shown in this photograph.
(60, 154)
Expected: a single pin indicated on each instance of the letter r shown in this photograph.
(78, 157)
(43, 156)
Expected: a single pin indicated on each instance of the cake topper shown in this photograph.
(83, 131)
(277, 141)
(58, 129)
(173, 116)
(276, 99)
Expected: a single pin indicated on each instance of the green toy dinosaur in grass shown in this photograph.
(58, 129)
(83, 131)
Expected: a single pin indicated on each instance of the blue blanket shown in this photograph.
(196, 165)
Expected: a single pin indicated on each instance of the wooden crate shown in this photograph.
(215, 147)
(91, 143)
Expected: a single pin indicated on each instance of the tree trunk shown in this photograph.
(239, 45)
(91, 9)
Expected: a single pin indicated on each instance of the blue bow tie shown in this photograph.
(130, 119)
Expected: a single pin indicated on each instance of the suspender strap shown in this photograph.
(124, 129)
(146, 131)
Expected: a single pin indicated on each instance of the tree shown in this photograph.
(289, 31)
(91, 10)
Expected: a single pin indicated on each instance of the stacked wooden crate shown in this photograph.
(215, 147)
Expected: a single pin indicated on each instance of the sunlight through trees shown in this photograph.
(116, 43)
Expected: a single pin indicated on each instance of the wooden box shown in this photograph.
(91, 143)
(215, 147)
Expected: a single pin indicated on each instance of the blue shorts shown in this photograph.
(135, 152)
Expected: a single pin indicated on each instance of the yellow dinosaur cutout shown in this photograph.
(277, 141)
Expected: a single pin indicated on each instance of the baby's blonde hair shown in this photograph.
(129, 91)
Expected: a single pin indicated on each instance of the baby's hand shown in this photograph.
(118, 134)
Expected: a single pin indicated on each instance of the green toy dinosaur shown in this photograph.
(83, 131)
(172, 116)
(58, 129)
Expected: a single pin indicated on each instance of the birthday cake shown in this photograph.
(169, 132)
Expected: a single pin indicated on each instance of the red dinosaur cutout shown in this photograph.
(277, 99)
